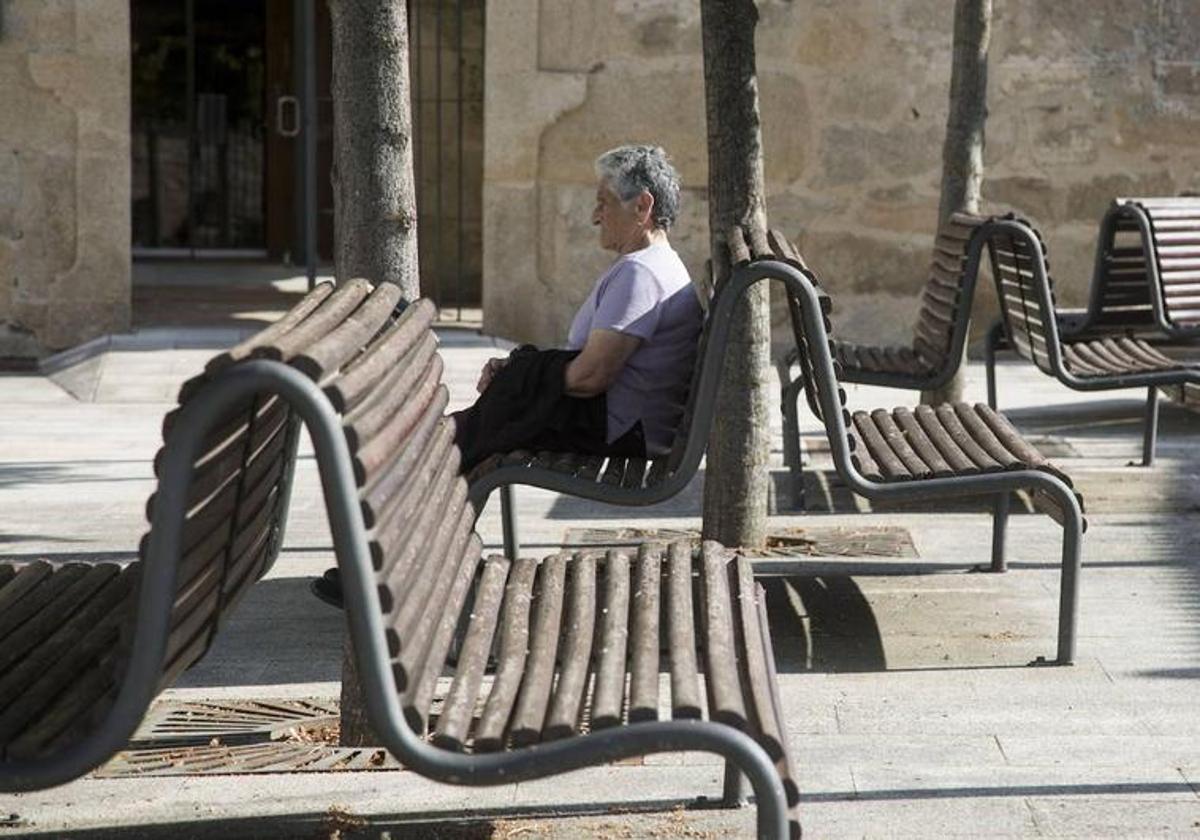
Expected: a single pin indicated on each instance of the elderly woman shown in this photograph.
(620, 386)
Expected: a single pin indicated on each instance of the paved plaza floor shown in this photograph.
(909, 703)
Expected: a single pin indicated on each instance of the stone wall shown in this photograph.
(64, 173)
(1089, 99)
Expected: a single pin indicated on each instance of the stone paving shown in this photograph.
(909, 704)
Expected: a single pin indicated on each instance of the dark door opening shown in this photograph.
(198, 125)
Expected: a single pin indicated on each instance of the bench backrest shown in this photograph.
(940, 320)
(375, 359)
(1141, 238)
(1020, 270)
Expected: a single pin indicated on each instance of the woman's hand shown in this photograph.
(489, 372)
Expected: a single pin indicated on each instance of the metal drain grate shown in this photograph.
(241, 736)
(782, 543)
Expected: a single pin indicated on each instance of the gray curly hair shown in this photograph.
(630, 170)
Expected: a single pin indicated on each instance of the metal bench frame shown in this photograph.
(681, 468)
(791, 389)
(808, 312)
(1056, 329)
(1098, 317)
(365, 615)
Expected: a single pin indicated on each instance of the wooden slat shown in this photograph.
(290, 319)
(373, 454)
(643, 681)
(685, 678)
(429, 596)
(413, 461)
(608, 693)
(510, 659)
(720, 652)
(533, 702)
(324, 356)
(30, 687)
(951, 453)
(563, 718)
(962, 438)
(332, 312)
(419, 700)
(410, 586)
(365, 374)
(454, 722)
(896, 442)
(397, 541)
(983, 436)
(54, 602)
(891, 467)
(591, 467)
(27, 578)
(82, 697)
(35, 599)
(784, 766)
(397, 523)
(635, 471)
(370, 415)
(916, 437)
(614, 472)
(768, 729)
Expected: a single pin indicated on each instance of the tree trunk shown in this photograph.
(375, 216)
(962, 153)
(375, 208)
(735, 487)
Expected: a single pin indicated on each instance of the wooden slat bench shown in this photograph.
(932, 359)
(1147, 272)
(581, 676)
(619, 480)
(1081, 358)
(946, 451)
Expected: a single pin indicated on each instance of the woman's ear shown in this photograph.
(645, 207)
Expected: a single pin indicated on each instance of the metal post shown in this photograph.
(439, 175)
(458, 261)
(309, 138)
(192, 145)
(999, 527)
(989, 362)
(733, 790)
(1150, 427)
(508, 521)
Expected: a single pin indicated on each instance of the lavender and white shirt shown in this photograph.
(647, 294)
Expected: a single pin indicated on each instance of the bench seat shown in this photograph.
(61, 627)
(618, 620)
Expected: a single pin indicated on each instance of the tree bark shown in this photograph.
(962, 152)
(375, 215)
(737, 474)
(375, 207)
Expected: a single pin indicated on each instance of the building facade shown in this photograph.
(162, 129)
(1088, 100)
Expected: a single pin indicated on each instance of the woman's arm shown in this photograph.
(599, 364)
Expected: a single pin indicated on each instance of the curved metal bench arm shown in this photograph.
(365, 617)
(1131, 210)
(704, 401)
(831, 413)
(1050, 324)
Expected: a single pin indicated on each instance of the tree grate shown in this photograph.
(782, 543)
(180, 738)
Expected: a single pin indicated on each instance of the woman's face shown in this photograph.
(620, 225)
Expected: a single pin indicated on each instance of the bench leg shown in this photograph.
(793, 455)
(508, 521)
(999, 529)
(1068, 599)
(735, 789)
(1150, 427)
(989, 361)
